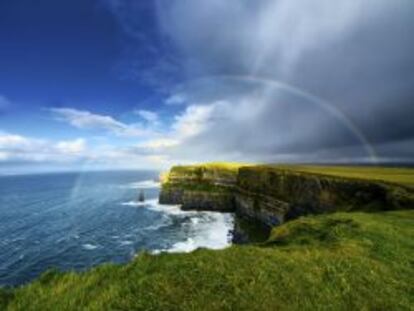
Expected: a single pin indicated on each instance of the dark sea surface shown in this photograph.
(79, 220)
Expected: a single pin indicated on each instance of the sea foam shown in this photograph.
(145, 184)
(89, 246)
(203, 229)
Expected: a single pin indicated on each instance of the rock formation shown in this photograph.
(272, 195)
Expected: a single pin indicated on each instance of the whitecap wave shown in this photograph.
(203, 229)
(145, 184)
(134, 203)
(206, 230)
(148, 203)
(89, 246)
(166, 221)
(169, 209)
(153, 205)
(126, 242)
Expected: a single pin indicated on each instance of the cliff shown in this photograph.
(201, 187)
(274, 194)
(347, 261)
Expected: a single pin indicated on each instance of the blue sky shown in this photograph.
(66, 53)
(146, 84)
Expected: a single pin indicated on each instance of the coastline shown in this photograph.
(309, 260)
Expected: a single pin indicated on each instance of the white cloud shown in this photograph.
(86, 120)
(77, 146)
(158, 144)
(147, 115)
(259, 127)
(78, 153)
(176, 99)
(20, 148)
(13, 141)
(193, 121)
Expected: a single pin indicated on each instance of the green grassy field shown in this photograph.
(404, 176)
(344, 261)
(220, 168)
(216, 165)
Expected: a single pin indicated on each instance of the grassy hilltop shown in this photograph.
(337, 261)
(401, 176)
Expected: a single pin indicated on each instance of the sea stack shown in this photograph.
(141, 197)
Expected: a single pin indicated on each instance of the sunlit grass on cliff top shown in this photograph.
(343, 261)
(387, 174)
(213, 165)
(403, 176)
(219, 167)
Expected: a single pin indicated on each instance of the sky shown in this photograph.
(109, 84)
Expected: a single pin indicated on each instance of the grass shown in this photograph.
(343, 261)
(404, 176)
(197, 187)
(224, 169)
(219, 166)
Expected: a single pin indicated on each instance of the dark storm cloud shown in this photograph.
(355, 55)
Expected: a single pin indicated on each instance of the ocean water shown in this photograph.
(73, 221)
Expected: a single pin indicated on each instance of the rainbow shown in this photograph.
(329, 108)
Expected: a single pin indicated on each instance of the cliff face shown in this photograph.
(192, 199)
(200, 188)
(273, 195)
(292, 194)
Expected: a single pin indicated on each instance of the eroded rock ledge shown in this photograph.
(272, 195)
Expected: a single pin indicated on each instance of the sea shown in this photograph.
(74, 221)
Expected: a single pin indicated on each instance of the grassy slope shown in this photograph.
(348, 261)
(404, 176)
